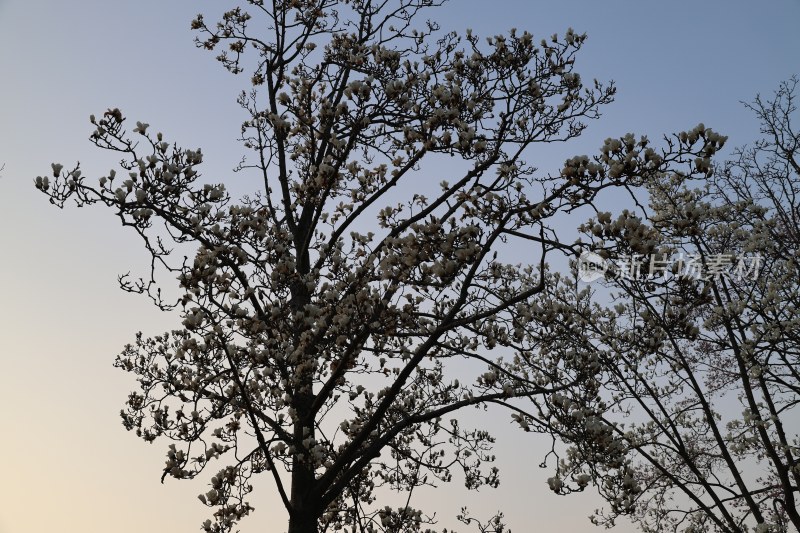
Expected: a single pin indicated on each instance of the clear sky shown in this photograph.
(66, 463)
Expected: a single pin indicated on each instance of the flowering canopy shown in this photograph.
(333, 321)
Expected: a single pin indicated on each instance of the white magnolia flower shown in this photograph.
(555, 484)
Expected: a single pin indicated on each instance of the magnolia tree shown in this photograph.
(695, 425)
(335, 323)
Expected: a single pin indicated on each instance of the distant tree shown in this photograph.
(335, 323)
(698, 376)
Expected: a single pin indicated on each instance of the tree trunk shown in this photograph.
(303, 522)
(304, 511)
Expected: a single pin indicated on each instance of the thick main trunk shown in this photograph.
(303, 522)
(305, 511)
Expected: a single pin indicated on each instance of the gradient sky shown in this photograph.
(66, 463)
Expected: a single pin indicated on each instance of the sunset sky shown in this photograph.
(66, 462)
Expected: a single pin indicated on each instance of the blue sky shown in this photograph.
(67, 463)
